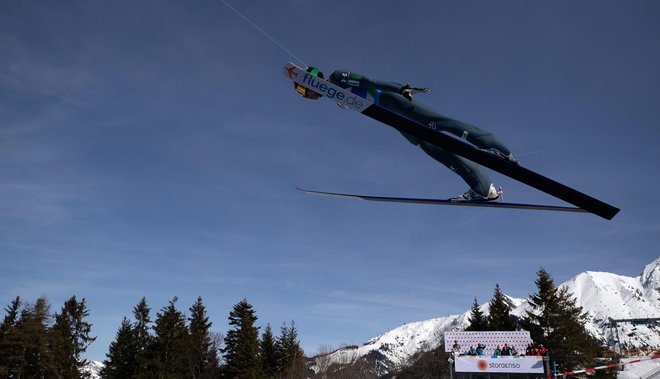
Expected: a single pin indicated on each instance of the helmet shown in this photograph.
(304, 92)
(315, 71)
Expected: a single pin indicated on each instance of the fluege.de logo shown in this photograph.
(319, 86)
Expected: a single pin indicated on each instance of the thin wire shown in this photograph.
(263, 32)
(529, 153)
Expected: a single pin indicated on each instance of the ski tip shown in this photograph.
(609, 213)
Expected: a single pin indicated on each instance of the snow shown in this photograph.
(94, 369)
(605, 295)
(602, 295)
(400, 344)
(639, 370)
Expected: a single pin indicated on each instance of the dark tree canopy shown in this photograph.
(268, 354)
(558, 322)
(499, 318)
(291, 356)
(203, 353)
(69, 338)
(478, 322)
(122, 355)
(242, 343)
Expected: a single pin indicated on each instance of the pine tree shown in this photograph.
(544, 304)
(122, 354)
(499, 318)
(32, 327)
(142, 338)
(478, 322)
(241, 343)
(290, 354)
(11, 317)
(268, 354)
(170, 346)
(10, 349)
(557, 322)
(202, 352)
(61, 347)
(214, 367)
(70, 337)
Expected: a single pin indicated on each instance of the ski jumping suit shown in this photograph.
(388, 95)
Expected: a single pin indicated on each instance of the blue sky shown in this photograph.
(153, 149)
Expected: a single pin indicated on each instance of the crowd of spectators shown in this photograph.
(533, 349)
(501, 351)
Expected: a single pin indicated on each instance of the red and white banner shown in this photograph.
(519, 339)
(612, 365)
(532, 365)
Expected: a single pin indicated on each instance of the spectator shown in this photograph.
(514, 352)
(505, 350)
(480, 349)
(456, 347)
(531, 350)
(497, 352)
(541, 350)
(472, 351)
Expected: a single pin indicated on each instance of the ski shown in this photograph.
(485, 204)
(369, 107)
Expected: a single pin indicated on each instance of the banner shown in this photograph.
(531, 365)
(518, 339)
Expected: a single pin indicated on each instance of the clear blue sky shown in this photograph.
(153, 148)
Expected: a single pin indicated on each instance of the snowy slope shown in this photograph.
(93, 369)
(644, 369)
(398, 345)
(606, 295)
(602, 295)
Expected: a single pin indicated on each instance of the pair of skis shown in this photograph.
(368, 106)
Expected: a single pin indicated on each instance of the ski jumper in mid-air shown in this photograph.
(399, 99)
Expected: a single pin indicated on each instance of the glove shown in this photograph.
(407, 91)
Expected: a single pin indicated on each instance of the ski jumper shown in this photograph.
(388, 95)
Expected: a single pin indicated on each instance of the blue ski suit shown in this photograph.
(390, 96)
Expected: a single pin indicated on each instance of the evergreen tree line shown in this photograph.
(37, 344)
(174, 346)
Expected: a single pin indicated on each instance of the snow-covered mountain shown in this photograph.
(93, 369)
(602, 295)
(606, 296)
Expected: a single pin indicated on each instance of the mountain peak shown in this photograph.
(651, 273)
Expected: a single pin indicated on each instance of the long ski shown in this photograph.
(369, 107)
(485, 204)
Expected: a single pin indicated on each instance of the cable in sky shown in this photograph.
(263, 32)
(530, 152)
